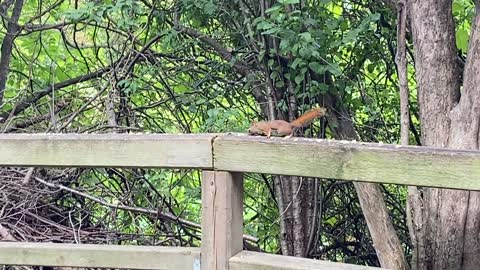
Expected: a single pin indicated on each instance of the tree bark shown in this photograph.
(401, 61)
(445, 223)
(465, 134)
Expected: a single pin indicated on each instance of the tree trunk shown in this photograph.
(295, 222)
(445, 223)
(7, 45)
(385, 240)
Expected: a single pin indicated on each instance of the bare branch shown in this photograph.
(242, 67)
(22, 105)
(401, 62)
(167, 216)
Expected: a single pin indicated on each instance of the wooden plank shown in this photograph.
(247, 260)
(104, 256)
(106, 150)
(409, 165)
(222, 218)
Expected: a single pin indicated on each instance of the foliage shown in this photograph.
(148, 74)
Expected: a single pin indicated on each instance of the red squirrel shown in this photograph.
(284, 128)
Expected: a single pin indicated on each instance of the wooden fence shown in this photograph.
(223, 158)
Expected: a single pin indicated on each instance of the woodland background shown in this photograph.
(195, 66)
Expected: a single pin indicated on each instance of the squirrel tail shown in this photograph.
(308, 117)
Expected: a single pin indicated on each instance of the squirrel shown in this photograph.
(284, 128)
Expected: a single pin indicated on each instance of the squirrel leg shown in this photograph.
(269, 133)
(289, 135)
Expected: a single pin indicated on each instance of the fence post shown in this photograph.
(222, 218)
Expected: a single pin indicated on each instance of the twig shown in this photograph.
(401, 61)
(130, 208)
(28, 176)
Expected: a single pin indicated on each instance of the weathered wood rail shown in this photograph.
(99, 256)
(223, 158)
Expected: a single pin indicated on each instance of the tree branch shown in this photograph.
(167, 216)
(22, 105)
(401, 62)
(240, 66)
(32, 121)
(243, 68)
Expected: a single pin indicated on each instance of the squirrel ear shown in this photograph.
(254, 122)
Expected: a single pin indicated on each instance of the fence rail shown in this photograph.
(343, 160)
(102, 256)
(223, 158)
(107, 150)
(246, 260)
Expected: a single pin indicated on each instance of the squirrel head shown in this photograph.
(322, 111)
(254, 129)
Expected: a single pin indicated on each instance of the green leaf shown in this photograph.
(317, 68)
(75, 14)
(289, 2)
(9, 93)
(351, 36)
(310, 22)
(332, 24)
(270, 63)
(275, 8)
(306, 36)
(264, 25)
(297, 62)
(299, 78)
(181, 89)
(371, 68)
(201, 101)
(284, 45)
(306, 52)
(334, 69)
(462, 38)
(323, 88)
(375, 16)
(272, 30)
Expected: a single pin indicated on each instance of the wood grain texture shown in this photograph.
(367, 162)
(247, 260)
(106, 256)
(222, 218)
(106, 150)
